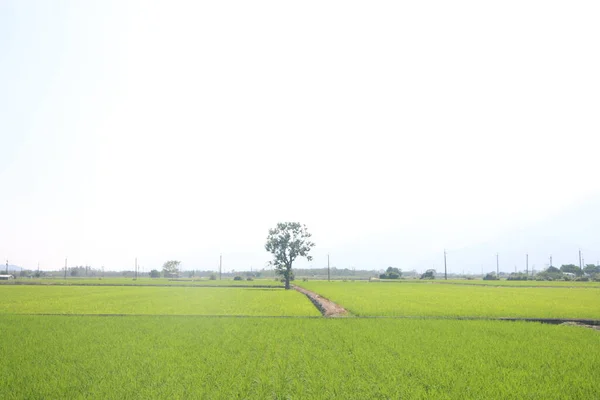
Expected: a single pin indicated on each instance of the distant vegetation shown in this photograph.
(391, 273)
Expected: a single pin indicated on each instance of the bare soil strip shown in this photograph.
(327, 307)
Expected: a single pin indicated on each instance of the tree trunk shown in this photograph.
(287, 277)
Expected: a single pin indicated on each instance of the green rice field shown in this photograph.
(142, 282)
(153, 300)
(179, 342)
(223, 358)
(445, 300)
(502, 282)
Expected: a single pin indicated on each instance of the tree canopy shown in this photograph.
(286, 242)
(571, 268)
(591, 269)
(429, 274)
(171, 268)
(391, 273)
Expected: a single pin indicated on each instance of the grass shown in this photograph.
(418, 299)
(153, 300)
(223, 358)
(141, 282)
(502, 282)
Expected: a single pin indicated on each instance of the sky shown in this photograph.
(393, 130)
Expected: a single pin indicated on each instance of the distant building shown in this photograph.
(6, 277)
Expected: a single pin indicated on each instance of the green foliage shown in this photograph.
(552, 269)
(212, 277)
(286, 242)
(170, 269)
(518, 277)
(238, 278)
(234, 358)
(440, 299)
(591, 269)
(490, 276)
(429, 274)
(154, 274)
(391, 273)
(571, 268)
(549, 275)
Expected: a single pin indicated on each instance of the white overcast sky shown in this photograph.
(182, 130)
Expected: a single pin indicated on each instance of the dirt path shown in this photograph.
(327, 307)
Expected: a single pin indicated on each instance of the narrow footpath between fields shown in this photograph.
(327, 307)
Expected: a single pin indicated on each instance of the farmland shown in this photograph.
(141, 282)
(153, 300)
(184, 357)
(418, 299)
(502, 282)
(114, 342)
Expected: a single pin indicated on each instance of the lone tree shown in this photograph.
(171, 268)
(288, 241)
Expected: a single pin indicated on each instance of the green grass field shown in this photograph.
(445, 300)
(502, 282)
(198, 342)
(141, 282)
(224, 358)
(153, 300)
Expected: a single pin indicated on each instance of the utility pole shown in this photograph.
(38, 269)
(445, 267)
(497, 266)
(220, 265)
(328, 270)
(527, 263)
(580, 267)
(65, 268)
(6, 266)
(136, 268)
(550, 259)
